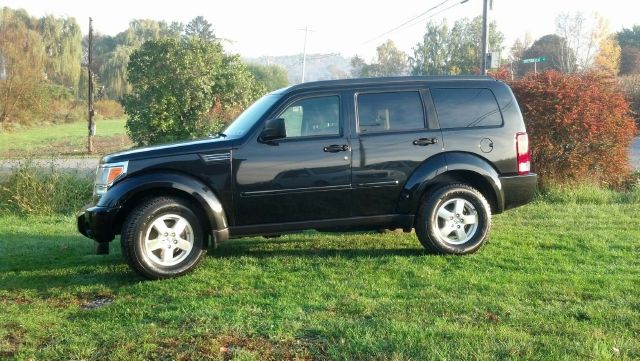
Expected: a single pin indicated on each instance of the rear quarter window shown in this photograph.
(466, 108)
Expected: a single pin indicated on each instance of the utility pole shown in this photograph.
(92, 124)
(485, 36)
(304, 51)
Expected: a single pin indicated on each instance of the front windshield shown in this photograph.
(243, 123)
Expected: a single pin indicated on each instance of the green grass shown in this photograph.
(67, 138)
(557, 281)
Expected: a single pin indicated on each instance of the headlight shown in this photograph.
(106, 175)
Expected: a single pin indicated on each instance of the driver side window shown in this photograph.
(312, 117)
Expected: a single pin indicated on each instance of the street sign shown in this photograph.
(534, 60)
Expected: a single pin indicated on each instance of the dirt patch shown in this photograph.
(11, 342)
(265, 349)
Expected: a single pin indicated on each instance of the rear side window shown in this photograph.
(390, 111)
(466, 108)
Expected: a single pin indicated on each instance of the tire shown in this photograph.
(443, 228)
(163, 237)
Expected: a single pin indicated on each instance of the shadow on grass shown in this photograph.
(255, 248)
(46, 262)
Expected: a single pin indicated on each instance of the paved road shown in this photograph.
(88, 165)
(84, 165)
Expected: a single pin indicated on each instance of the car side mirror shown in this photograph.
(274, 129)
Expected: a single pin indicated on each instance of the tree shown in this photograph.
(582, 37)
(183, 89)
(608, 57)
(455, 50)
(630, 85)
(516, 55)
(272, 77)
(432, 56)
(629, 37)
(390, 61)
(61, 38)
(199, 27)
(111, 54)
(23, 61)
(629, 61)
(553, 48)
(113, 72)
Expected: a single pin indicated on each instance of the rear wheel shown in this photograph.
(163, 238)
(453, 219)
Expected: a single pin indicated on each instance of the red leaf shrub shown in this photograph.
(580, 127)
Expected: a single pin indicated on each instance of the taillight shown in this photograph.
(522, 150)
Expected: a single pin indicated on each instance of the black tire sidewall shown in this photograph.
(135, 238)
(428, 220)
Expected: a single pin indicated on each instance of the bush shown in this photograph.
(31, 190)
(108, 109)
(580, 127)
(182, 88)
(67, 111)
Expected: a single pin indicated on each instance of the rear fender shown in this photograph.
(445, 168)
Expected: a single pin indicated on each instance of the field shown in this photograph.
(67, 139)
(558, 280)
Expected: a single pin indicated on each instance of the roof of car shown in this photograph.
(381, 81)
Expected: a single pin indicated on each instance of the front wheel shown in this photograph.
(454, 219)
(163, 238)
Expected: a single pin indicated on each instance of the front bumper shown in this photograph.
(519, 190)
(98, 223)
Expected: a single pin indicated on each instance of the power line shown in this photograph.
(323, 56)
(408, 21)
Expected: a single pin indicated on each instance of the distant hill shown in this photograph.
(319, 66)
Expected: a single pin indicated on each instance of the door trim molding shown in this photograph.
(294, 190)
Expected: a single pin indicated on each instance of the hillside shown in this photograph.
(319, 66)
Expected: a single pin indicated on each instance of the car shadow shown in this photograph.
(47, 262)
(255, 248)
(54, 262)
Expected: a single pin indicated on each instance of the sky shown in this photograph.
(256, 28)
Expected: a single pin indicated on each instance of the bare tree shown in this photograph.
(582, 37)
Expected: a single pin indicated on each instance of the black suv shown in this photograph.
(434, 154)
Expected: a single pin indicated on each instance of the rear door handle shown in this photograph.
(335, 148)
(425, 141)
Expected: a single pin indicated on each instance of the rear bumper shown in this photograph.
(518, 190)
(97, 223)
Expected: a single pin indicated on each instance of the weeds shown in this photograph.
(31, 190)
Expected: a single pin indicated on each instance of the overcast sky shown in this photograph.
(269, 27)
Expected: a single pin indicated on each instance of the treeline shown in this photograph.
(579, 44)
(43, 65)
(40, 66)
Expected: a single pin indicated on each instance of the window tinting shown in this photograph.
(312, 116)
(390, 111)
(466, 108)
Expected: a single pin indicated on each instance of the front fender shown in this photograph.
(437, 169)
(131, 187)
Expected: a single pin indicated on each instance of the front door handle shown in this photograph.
(335, 148)
(425, 141)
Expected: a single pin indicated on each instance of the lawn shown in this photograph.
(556, 281)
(63, 139)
